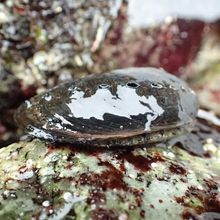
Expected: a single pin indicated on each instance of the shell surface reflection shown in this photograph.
(125, 107)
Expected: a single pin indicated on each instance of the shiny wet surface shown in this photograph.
(125, 102)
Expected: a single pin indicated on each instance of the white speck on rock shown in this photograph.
(46, 203)
(200, 187)
(170, 155)
(6, 193)
(131, 175)
(65, 157)
(93, 206)
(28, 103)
(123, 216)
(67, 196)
(29, 164)
(153, 165)
(48, 98)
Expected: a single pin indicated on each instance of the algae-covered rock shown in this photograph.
(42, 181)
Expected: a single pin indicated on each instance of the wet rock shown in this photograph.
(46, 181)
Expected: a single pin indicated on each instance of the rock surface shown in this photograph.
(42, 181)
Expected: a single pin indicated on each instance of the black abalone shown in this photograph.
(125, 107)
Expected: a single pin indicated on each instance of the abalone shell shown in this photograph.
(125, 107)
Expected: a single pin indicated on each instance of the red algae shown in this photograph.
(140, 162)
(189, 215)
(177, 169)
(175, 44)
(212, 203)
(96, 196)
(142, 213)
(211, 184)
(111, 178)
(181, 200)
(160, 201)
(209, 199)
(108, 179)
